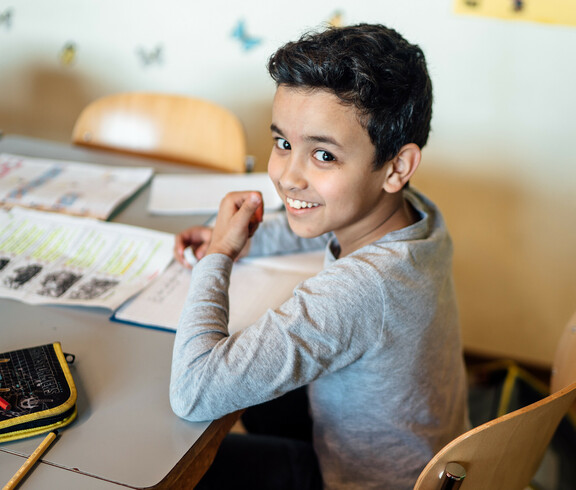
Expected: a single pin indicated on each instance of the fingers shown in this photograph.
(241, 206)
(252, 210)
(239, 215)
(201, 250)
(256, 219)
(238, 218)
(197, 238)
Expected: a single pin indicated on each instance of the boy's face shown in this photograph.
(321, 165)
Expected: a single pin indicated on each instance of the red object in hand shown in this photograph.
(255, 220)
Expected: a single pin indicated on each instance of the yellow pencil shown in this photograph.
(35, 456)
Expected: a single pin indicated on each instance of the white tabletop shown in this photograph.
(125, 431)
(50, 477)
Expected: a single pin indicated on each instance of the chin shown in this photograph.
(302, 231)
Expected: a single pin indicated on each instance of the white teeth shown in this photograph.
(296, 204)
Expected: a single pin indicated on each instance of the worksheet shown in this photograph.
(80, 189)
(49, 258)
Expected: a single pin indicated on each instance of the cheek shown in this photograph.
(334, 191)
(344, 196)
(274, 168)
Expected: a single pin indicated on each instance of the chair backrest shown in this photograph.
(165, 126)
(505, 453)
(564, 366)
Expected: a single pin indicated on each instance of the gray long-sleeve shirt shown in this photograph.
(375, 335)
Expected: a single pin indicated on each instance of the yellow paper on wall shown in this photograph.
(545, 11)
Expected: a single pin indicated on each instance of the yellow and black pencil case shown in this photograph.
(37, 392)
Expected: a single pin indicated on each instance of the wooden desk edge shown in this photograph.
(192, 466)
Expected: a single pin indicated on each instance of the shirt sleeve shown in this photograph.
(322, 328)
(274, 237)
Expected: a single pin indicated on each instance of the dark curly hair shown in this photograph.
(372, 68)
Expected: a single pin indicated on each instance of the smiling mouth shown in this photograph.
(297, 204)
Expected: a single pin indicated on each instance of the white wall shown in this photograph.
(499, 161)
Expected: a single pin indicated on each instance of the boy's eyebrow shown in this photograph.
(324, 139)
(276, 129)
(315, 139)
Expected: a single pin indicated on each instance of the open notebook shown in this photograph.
(255, 285)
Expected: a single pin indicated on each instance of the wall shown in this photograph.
(499, 161)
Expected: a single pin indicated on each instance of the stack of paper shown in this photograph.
(202, 193)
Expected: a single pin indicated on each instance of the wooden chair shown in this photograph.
(164, 126)
(506, 452)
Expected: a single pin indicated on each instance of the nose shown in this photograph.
(292, 177)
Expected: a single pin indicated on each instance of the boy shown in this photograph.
(374, 337)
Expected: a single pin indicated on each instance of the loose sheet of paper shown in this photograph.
(202, 193)
(49, 258)
(255, 285)
(80, 189)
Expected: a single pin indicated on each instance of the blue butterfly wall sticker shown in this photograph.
(247, 42)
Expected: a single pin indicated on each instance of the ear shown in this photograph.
(400, 169)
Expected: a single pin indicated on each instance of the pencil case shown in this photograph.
(37, 392)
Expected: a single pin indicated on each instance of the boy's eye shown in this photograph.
(324, 156)
(282, 144)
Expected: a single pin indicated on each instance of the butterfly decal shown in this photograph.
(337, 19)
(151, 56)
(246, 41)
(6, 18)
(68, 54)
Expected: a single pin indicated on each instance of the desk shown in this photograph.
(126, 434)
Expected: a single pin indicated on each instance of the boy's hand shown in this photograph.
(238, 218)
(197, 238)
